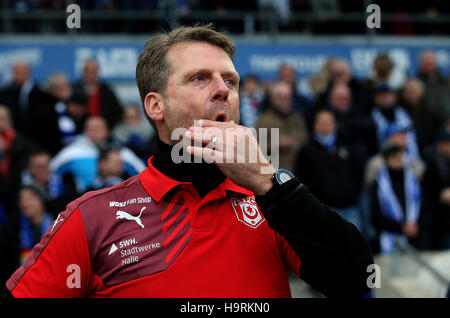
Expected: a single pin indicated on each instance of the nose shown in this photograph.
(220, 91)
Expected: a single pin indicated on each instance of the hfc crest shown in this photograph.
(247, 211)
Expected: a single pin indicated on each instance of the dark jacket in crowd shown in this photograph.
(334, 177)
(426, 125)
(437, 178)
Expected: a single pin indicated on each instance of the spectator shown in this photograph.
(355, 127)
(340, 72)
(280, 114)
(436, 97)
(376, 163)
(426, 124)
(80, 157)
(101, 100)
(437, 187)
(110, 169)
(51, 135)
(383, 71)
(251, 97)
(14, 149)
(287, 74)
(329, 167)
(134, 131)
(72, 117)
(397, 207)
(388, 116)
(319, 81)
(57, 190)
(18, 94)
(35, 220)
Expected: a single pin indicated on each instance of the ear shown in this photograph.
(154, 106)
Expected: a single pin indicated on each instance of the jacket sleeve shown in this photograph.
(59, 265)
(334, 255)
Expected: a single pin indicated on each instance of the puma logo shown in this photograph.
(125, 215)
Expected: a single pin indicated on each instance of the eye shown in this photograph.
(197, 78)
(229, 81)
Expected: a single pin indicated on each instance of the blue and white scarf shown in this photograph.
(391, 208)
(328, 141)
(55, 187)
(402, 121)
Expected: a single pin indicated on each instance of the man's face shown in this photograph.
(428, 63)
(202, 84)
(112, 165)
(96, 130)
(21, 73)
(62, 89)
(39, 168)
(395, 160)
(282, 97)
(341, 97)
(287, 74)
(413, 92)
(90, 74)
(324, 123)
(30, 204)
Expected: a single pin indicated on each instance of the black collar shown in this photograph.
(203, 176)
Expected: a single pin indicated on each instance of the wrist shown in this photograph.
(265, 182)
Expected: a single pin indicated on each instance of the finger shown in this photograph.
(202, 135)
(207, 154)
(199, 137)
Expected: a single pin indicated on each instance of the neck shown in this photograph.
(203, 176)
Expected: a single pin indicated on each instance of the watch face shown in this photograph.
(283, 176)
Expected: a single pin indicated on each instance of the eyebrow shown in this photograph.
(233, 74)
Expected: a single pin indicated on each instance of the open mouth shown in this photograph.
(221, 118)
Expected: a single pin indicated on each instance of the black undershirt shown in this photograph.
(203, 176)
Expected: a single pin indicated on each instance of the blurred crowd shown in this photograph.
(376, 150)
(300, 16)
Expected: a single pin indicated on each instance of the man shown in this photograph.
(80, 157)
(101, 99)
(389, 116)
(398, 210)
(329, 166)
(196, 229)
(133, 131)
(437, 190)
(436, 97)
(56, 189)
(353, 125)
(110, 169)
(292, 127)
(252, 98)
(25, 100)
(426, 123)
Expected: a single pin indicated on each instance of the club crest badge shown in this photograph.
(247, 211)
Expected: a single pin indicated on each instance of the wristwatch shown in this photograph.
(285, 187)
(282, 176)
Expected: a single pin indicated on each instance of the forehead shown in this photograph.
(190, 55)
(324, 117)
